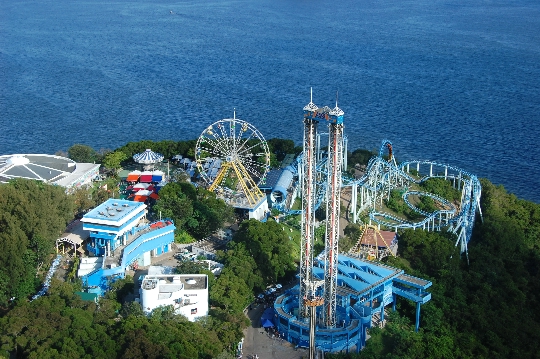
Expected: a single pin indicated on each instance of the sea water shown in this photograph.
(453, 81)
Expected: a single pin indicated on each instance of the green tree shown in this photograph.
(32, 216)
(82, 153)
(268, 243)
(82, 198)
(196, 211)
(113, 160)
(230, 292)
(240, 261)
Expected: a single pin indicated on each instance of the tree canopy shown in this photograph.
(485, 309)
(32, 216)
(82, 153)
(268, 243)
(194, 210)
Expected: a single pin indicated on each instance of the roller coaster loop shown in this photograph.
(382, 176)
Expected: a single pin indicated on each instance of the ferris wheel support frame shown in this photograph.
(236, 152)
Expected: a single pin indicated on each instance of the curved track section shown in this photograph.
(384, 175)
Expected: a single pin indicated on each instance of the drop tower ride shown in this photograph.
(309, 288)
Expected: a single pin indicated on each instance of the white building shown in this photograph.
(51, 169)
(187, 293)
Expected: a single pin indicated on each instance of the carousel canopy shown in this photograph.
(148, 157)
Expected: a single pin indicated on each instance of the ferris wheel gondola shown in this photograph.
(233, 156)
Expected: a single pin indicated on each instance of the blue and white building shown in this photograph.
(110, 223)
(120, 238)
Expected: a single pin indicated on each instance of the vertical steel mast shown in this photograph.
(335, 158)
(308, 207)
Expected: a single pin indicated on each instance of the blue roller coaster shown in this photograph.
(384, 175)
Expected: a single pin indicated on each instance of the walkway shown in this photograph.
(257, 341)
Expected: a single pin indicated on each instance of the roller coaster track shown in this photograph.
(384, 175)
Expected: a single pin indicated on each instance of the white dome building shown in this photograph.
(50, 169)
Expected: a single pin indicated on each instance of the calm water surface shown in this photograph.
(453, 81)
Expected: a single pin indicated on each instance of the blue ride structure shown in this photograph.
(338, 295)
(383, 175)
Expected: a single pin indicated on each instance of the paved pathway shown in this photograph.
(257, 341)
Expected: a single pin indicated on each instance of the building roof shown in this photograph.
(42, 167)
(114, 212)
(370, 238)
(284, 182)
(357, 274)
(272, 178)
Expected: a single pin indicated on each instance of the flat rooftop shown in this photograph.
(114, 212)
(187, 281)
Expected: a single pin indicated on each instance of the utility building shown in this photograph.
(186, 293)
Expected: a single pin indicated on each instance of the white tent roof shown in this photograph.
(148, 157)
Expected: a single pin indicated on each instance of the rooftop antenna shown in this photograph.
(311, 97)
(337, 93)
(234, 113)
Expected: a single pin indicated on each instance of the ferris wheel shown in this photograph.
(232, 154)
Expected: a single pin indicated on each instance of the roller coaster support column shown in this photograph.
(308, 207)
(335, 156)
(345, 145)
(354, 199)
(417, 317)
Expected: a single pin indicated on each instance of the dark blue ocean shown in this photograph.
(449, 80)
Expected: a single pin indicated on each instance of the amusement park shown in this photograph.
(338, 292)
(339, 295)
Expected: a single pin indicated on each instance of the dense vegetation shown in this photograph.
(194, 210)
(62, 325)
(485, 309)
(32, 216)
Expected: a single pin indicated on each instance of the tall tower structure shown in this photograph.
(308, 208)
(308, 287)
(333, 195)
